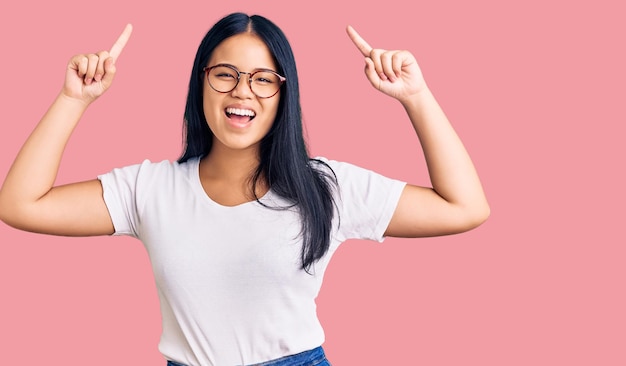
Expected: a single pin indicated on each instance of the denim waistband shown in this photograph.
(314, 357)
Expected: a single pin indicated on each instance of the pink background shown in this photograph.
(536, 91)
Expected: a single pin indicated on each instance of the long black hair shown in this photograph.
(285, 163)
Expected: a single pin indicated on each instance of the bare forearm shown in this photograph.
(451, 170)
(35, 168)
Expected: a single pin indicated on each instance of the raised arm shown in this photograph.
(28, 198)
(456, 202)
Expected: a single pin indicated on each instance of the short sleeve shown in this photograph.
(121, 197)
(366, 201)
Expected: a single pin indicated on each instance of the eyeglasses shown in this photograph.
(224, 78)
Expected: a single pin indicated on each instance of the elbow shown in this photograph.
(12, 213)
(477, 216)
(4, 210)
(7, 213)
(7, 218)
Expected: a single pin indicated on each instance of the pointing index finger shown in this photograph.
(359, 42)
(118, 46)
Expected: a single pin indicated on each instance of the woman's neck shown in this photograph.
(230, 165)
(226, 176)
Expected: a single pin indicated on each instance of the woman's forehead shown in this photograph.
(246, 51)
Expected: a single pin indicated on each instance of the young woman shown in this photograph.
(241, 228)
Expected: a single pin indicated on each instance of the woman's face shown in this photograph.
(239, 119)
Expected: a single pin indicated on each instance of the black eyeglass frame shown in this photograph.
(208, 69)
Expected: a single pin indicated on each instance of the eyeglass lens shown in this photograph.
(263, 83)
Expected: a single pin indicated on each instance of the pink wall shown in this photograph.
(535, 90)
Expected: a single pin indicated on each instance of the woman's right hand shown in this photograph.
(90, 75)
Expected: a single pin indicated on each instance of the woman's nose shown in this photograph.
(243, 88)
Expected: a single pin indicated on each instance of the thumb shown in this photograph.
(109, 72)
(370, 72)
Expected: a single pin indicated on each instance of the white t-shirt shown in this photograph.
(229, 279)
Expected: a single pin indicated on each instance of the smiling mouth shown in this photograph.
(240, 115)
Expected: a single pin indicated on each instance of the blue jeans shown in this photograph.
(314, 357)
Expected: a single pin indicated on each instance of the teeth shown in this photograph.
(240, 112)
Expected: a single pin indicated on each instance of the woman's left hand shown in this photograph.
(395, 73)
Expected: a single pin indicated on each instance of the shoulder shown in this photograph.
(163, 166)
(356, 181)
(341, 169)
(324, 163)
(148, 171)
(366, 200)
